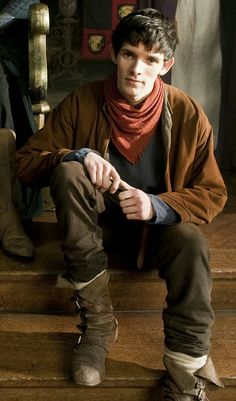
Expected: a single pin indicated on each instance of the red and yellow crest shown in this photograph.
(96, 42)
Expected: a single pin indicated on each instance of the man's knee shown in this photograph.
(181, 246)
(188, 235)
(68, 173)
(71, 180)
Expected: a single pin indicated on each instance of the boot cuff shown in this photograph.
(208, 373)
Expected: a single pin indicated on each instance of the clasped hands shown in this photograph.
(135, 204)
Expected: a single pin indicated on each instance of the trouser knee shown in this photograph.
(181, 245)
(68, 174)
(70, 181)
(187, 236)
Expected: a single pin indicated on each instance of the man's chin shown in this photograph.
(135, 98)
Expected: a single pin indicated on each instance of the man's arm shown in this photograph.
(203, 194)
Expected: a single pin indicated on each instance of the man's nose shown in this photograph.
(137, 66)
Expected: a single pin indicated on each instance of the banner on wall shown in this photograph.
(99, 20)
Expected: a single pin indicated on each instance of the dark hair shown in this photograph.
(148, 26)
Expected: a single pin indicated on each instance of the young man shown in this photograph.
(134, 155)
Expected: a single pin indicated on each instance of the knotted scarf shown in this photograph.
(132, 127)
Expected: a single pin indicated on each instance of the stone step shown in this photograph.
(35, 354)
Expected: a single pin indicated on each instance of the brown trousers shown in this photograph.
(179, 252)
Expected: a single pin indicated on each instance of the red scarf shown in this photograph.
(132, 128)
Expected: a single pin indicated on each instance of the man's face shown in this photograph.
(137, 70)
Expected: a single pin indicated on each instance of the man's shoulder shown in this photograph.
(180, 101)
(176, 94)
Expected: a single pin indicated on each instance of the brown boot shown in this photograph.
(12, 235)
(99, 331)
(179, 385)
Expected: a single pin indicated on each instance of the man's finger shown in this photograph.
(124, 185)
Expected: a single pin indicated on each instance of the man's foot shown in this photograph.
(88, 359)
(99, 330)
(19, 246)
(181, 385)
(170, 391)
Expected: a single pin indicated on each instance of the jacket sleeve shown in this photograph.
(36, 160)
(197, 191)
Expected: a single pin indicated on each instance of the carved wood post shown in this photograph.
(38, 78)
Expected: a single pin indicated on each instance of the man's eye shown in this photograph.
(152, 60)
(127, 54)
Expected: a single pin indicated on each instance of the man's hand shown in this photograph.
(135, 204)
(102, 174)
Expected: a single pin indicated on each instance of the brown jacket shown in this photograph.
(194, 186)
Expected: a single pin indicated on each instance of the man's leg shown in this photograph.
(12, 235)
(182, 258)
(77, 207)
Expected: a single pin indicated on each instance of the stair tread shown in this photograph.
(41, 346)
(100, 393)
(49, 258)
(129, 289)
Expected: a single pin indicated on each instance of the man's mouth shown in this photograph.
(134, 81)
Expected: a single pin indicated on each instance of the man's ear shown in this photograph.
(112, 54)
(167, 66)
